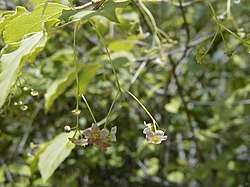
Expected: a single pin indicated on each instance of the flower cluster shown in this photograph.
(152, 135)
(100, 138)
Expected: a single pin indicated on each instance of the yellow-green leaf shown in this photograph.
(176, 177)
(57, 88)
(13, 59)
(54, 154)
(173, 106)
(123, 45)
(9, 17)
(32, 22)
(87, 75)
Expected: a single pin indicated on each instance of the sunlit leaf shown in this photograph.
(32, 22)
(153, 166)
(176, 177)
(20, 169)
(35, 159)
(13, 58)
(2, 175)
(58, 87)
(37, 2)
(87, 75)
(54, 154)
(44, 7)
(173, 106)
(9, 17)
(123, 45)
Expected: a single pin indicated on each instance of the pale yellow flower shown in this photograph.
(155, 137)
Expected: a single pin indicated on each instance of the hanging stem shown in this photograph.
(90, 111)
(77, 79)
(110, 109)
(75, 63)
(109, 56)
(218, 25)
(144, 108)
(210, 45)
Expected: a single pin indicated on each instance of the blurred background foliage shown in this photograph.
(204, 108)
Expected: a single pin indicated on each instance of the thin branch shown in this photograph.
(143, 64)
(212, 103)
(185, 105)
(186, 27)
(83, 6)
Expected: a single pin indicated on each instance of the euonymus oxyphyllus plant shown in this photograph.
(159, 65)
(102, 138)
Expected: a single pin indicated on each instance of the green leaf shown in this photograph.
(20, 169)
(32, 22)
(57, 88)
(9, 17)
(120, 59)
(153, 166)
(2, 174)
(176, 177)
(107, 10)
(35, 159)
(44, 7)
(87, 75)
(123, 45)
(173, 106)
(37, 2)
(13, 58)
(54, 154)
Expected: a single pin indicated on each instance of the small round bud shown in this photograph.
(221, 17)
(24, 107)
(25, 88)
(67, 128)
(34, 93)
(76, 112)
